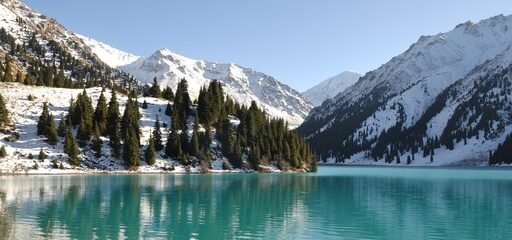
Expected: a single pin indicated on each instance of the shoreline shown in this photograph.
(508, 167)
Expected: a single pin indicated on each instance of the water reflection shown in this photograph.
(281, 206)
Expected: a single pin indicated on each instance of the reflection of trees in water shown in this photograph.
(259, 205)
(6, 218)
(161, 206)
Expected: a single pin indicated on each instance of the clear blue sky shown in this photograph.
(300, 42)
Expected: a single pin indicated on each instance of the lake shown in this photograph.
(335, 203)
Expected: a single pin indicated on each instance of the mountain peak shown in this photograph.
(167, 53)
(331, 87)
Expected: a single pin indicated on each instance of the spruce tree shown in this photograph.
(4, 114)
(113, 122)
(52, 136)
(3, 152)
(254, 156)
(42, 124)
(154, 90)
(157, 135)
(101, 114)
(71, 149)
(181, 106)
(8, 76)
(168, 109)
(130, 118)
(168, 94)
(62, 129)
(173, 146)
(97, 143)
(236, 158)
(194, 144)
(42, 155)
(131, 148)
(184, 143)
(150, 154)
(82, 133)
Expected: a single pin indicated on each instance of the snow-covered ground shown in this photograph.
(24, 114)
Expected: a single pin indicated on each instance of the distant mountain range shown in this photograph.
(444, 101)
(241, 84)
(331, 87)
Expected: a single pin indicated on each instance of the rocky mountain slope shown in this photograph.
(426, 100)
(331, 87)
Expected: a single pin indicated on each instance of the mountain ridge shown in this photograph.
(394, 97)
(240, 83)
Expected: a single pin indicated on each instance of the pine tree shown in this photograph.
(97, 143)
(4, 114)
(157, 135)
(52, 136)
(150, 154)
(101, 114)
(113, 123)
(144, 105)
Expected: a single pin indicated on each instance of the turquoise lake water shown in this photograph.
(335, 203)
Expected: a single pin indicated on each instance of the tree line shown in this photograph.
(248, 138)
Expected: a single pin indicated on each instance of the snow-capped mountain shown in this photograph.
(413, 99)
(331, 87)
(241, 84)
(108, 54)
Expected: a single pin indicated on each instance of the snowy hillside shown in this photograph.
(109, 55)
(405, 104)
(24, 114)
(331, 87)
(241, 84)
